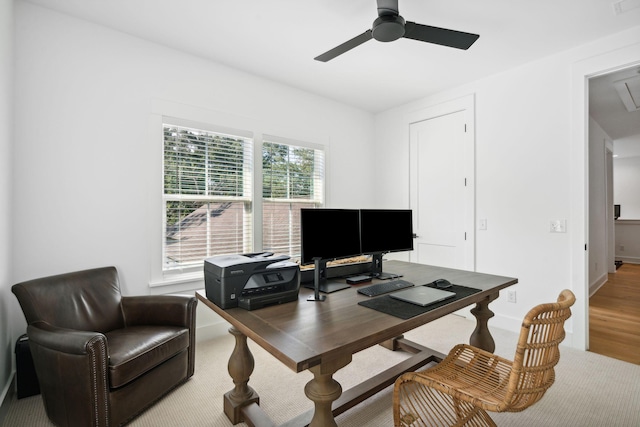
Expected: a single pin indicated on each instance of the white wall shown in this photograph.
(626, 176)
(87, 170)
(628, 241)
(530, 159)
(521, 184)
(7, 310)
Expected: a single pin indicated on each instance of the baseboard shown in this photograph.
(513, 324)
(628, 259)
(507, 323)
(597, 284)
(211, 331)
(500, 321)
(7, 396)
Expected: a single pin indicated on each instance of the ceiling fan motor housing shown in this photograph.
(388, 28)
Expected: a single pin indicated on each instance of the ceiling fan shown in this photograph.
(390, 26)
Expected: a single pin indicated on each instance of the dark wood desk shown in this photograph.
(323, 336)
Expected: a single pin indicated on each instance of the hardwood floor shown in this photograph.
(614, 316)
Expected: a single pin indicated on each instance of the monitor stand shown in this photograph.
(320, 282)
(376, 268)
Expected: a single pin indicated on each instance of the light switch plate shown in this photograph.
(558, 225)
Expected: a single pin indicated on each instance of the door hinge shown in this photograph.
(465, 235)
(465, 127)
(465, 182)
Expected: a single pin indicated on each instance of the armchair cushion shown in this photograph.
(138, 349)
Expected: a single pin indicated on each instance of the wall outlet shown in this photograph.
(511, 295)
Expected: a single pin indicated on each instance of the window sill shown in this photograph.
(180, 280)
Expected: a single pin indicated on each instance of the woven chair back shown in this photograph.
(537, 352)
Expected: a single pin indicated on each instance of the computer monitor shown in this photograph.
(326, 235)
(383, 231)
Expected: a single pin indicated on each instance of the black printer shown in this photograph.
(251, 281)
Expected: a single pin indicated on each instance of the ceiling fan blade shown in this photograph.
(344, 47)
(441, 36)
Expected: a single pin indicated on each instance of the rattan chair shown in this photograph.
(470, 381)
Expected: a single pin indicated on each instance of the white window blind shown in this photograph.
(207, 195)
(292, 178)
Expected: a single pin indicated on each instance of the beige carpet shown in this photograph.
(590, 390)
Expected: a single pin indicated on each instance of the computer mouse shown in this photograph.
(442, 283)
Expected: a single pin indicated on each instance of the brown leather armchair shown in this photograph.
(102, 358)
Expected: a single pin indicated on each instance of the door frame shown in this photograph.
(611, 233)
(466, 104)
(579, 179)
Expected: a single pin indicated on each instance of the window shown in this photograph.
(207, 196)
(292, 178)
(211, 193)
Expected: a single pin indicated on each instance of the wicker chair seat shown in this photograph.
(471, 374)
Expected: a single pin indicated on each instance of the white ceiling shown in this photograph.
(278, 39)
(606, 108)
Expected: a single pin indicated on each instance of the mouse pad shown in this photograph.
(406, 310)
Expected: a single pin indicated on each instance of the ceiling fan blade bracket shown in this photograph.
(388, 7)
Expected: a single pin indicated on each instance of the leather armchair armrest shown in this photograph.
(72, 371)
(174, 310)
(64, 340)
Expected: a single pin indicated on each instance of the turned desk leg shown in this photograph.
(240, 367)
(323, 390)
(481, 337)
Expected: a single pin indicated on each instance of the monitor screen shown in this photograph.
(386, 230)
(329, 234)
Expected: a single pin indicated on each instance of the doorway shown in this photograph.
(614, 130)
(581, 72)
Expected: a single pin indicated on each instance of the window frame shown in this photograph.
(204, 195)
(192, 278)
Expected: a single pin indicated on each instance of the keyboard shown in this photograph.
(384, 287)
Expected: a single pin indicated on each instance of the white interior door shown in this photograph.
(441, 193)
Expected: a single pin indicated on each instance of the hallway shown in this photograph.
(614, 316)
